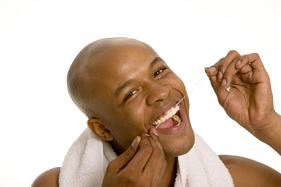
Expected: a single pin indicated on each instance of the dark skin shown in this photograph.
(147, 156)
(249, 100)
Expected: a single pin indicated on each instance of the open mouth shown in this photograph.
(169, 119)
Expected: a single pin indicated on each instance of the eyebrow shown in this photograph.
(152, 63)
(155, 61)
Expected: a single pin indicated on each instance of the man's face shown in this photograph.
(133, 87)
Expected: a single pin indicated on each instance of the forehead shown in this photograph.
(118, 64)
(125, 56)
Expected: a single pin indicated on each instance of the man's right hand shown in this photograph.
(141, 165)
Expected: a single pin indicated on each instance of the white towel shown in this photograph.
(88, 157)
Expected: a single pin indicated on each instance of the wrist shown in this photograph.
(271, 131)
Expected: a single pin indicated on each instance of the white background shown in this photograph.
(39, 40)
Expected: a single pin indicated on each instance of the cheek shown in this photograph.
(176, 82)
(123, 136)
(125, 129)
(179, 85)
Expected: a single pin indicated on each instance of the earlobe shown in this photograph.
(99, 129)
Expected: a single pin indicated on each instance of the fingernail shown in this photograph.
(146, 134)
(136, 141)
(212, 69)
(154, 131)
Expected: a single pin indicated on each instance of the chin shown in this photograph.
(180, 147)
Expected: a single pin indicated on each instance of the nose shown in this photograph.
(157, 94)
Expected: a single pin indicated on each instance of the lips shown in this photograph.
(168, 114)
(170, 119)
(171, 122)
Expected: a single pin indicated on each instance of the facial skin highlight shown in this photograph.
(123, 86)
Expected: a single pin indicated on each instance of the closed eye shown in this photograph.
(159, 71)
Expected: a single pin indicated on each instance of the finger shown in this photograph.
(229, 58)
(211, 71)
(222, 93)
(158, 152)
(122, 160)
(155, 140)
(215, 73)
(140, 159)
(157, 162)
(212, 74)
(258, 73)
(255, 61)
(244, 60)
(241, 68)
(245, 69)
(219, 87)
(232, 56)
(229, 73)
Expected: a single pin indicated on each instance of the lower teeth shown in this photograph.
(177, 119)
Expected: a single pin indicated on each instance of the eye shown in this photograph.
(159, 71)
(130, 94)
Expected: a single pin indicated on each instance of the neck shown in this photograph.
(170, 173)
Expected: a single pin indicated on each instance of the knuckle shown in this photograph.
(256, 55)
(147, 149)
(244, 57)
(233, 52)
(144, 141)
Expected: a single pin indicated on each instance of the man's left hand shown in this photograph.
(243, 89)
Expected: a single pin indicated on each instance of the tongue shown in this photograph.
(166, 124)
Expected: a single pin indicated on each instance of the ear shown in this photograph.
(99, 129)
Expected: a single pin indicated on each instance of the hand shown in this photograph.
(141, 165)
(243, 89)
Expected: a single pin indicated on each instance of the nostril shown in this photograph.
(159, 100)
(158, 96)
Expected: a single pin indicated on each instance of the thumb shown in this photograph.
(214, 76)
(122, 160)
(218, 83)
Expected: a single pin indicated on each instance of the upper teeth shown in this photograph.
(167, 115)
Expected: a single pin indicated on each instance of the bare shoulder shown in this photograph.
(247, 172)
(48, 179)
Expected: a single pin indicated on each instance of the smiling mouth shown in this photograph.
(169, 119)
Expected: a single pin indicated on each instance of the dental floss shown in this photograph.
(181, 100)
(192, 89)
(177, 104)
(197, 83)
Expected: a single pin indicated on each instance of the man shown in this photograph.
(127, 90)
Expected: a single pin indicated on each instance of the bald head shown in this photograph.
(123, 86)
(85, 67)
